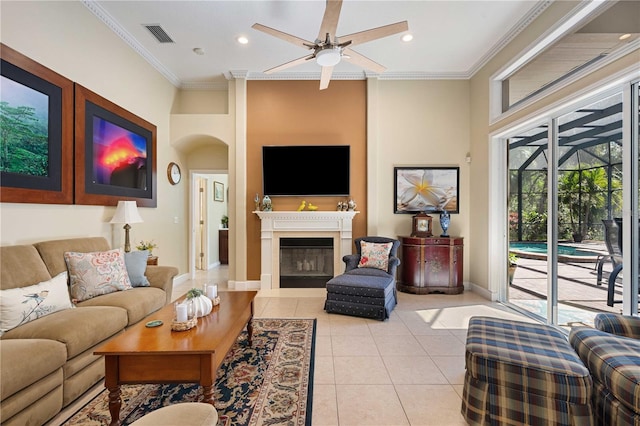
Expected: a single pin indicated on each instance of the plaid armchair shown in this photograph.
(611, 352)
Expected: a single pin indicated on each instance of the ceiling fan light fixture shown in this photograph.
(242, 40)
(328, 57)
(407, 37)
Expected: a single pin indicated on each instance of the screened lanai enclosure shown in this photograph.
(588, 187)
(589, 177)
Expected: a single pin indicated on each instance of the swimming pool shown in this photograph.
(538, 250)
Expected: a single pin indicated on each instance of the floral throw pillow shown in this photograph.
(97, 273)
(374, 255)
(20, 305)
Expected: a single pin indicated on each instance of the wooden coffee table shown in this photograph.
(160, 355)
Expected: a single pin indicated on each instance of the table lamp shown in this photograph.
(126, 212)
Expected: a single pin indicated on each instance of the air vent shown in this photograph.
(159, 33)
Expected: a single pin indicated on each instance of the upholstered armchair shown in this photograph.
(368, 286)
(352, 260)
(611, 352)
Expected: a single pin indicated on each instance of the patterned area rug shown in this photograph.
(269, 383)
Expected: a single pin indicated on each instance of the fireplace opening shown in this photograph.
(305, 262)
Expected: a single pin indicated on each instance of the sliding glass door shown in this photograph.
(572, 202)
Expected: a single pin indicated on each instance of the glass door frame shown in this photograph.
(498, 194)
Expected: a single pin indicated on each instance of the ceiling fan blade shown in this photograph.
(289, 64)
(284, 36)
(325, 77)
(330, 19)
(362, 61)
(376, 33)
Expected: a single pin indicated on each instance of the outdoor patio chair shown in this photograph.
(613, 240)
(613, 276)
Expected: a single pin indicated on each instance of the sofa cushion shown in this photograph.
(21, 266)
(138, 302)
(20, 305)
(374, 255)
(25, 361)
(369, 272)
(612, 360)
(52, 252)
(361, 285)
(136, 262)
(79, 328)
(96, 273)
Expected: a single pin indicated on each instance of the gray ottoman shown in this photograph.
(185, 414)
(365, 296)
(524, 374)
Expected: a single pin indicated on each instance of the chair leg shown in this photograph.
(601, 260)
(612, 285)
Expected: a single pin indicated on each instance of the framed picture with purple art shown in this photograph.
(426, 189)
(36, 141)
(115, 153)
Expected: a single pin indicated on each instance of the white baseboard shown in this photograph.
(481, 291)
(244, 285)
(179, 279)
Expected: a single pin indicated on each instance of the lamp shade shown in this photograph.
(127, 212)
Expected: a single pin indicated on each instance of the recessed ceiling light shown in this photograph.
(624, 36)
(407, 37)
(198, 50)
(242, 40)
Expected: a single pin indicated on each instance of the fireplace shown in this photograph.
(305, 262)
(281, 227)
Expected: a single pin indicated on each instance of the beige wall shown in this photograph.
(420, 123)
(67, 38)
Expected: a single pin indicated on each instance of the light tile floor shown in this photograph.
(408, 370)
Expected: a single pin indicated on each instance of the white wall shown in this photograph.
(66, 37)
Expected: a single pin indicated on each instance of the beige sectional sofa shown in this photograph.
(47, 363)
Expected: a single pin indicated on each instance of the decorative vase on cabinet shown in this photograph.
(445, 220)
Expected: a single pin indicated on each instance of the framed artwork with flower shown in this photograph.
(426, 189)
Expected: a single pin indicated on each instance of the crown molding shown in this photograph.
(113, 25)
(512, 34)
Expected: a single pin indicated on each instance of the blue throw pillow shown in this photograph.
(136, 262)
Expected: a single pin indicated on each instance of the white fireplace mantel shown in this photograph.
(312, 224)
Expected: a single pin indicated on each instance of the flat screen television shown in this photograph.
(306, 170)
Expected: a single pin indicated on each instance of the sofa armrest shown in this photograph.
(162, 277)
(621, 325)
(351, 261)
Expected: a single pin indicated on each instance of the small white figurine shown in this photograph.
(266, 204)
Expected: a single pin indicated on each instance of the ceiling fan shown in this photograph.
(329, 50)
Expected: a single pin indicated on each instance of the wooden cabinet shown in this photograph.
(223, 246)
(431, 265)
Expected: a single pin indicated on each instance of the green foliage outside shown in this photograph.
(585, 197)
(24, 146)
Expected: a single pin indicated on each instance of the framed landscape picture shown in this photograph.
(218, 191)
(426, 189)
(115, 153)
(36, 141)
